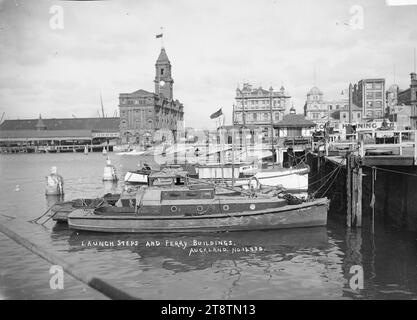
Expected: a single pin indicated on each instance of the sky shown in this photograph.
(213, 45)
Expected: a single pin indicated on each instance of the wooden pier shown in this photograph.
(361, 156)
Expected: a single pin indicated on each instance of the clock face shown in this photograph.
(162, 83)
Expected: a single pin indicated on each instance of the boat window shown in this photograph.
(207, 195)
(170, 195)
(162, 181)
(191, 194)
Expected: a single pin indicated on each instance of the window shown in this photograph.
(265, 116)
(359, 115)
(378, 95)
(378, 85)
(368, 86)
(255, 117)
(369, 95)
(276, 116)
(330, 107)
(162, 71)
(337, 107)
(344, 116)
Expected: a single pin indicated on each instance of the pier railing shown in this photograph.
(405, 141)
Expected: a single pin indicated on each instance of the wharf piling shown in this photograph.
(377, 184)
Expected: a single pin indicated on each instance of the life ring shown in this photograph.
(258, 184)
(174, 209)
(200, 208)
(226, 207)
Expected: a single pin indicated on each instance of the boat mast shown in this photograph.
(272, 123)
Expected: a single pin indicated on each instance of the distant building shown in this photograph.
(369, 95)
(255, 106)
(400, 115)
(356, 114)
(391, 98)
(409, 97)
(142, 112)
(61, 131)
(319, 110)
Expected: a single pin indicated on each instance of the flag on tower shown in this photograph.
(217, 114)
(159, 35)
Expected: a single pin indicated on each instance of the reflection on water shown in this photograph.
(281, 264)
(52, 199)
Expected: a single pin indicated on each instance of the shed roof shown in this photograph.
(96, 124)
(45, 134)
(294, 121)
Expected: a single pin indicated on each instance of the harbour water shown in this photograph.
(308, 263)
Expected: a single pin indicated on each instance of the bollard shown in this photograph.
(109, 172)
(54, 183)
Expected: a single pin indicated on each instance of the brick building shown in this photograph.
(409, 97)
(142, 112)
(369, 95)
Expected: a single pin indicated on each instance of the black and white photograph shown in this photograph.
(223, 152)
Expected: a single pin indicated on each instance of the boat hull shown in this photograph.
(309, 214)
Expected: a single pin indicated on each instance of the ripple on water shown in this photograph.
(294, 264)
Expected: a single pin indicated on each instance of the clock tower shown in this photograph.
(163, 80)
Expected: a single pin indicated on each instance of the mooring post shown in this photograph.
(318, 161)
(415, 147)
(373, 200)
(359, 198)
(348, 190)
(354, 191)
(359, 182)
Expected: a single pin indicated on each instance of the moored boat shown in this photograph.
(171, 204)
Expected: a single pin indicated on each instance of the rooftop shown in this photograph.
(163, 58)
(92, 124)
(293, 120)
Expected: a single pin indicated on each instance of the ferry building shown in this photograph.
(257, 107)
(143, 112)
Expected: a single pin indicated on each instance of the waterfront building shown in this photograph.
(409, 97)
(321, 111)
(369, 95)
(259, 107)
(29, 134)
(400, 115)
(142, 112)
(391, 98)
(355, 111)
(294, 125)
